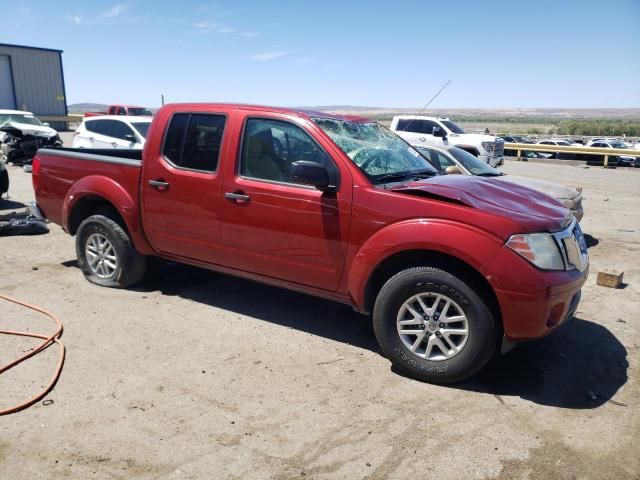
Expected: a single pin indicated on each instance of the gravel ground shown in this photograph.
(194, 374)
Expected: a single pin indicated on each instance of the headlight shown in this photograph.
(568, 202)
(489, 146)
(538, 248)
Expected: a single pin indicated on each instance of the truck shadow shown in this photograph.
(314, 315)
(582, 366)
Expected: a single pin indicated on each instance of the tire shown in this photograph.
(466, 353)
(4, 182)
(122, 266)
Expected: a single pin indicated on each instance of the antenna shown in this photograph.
(429, 102)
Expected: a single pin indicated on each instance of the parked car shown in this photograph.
(453, 160)
(334, 206)
(126, 110)
(112, 132)
(439, 132)
(523, 153)
(562, 143)
(614, 160)
(21, 134)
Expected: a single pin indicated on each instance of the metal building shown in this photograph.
(32, 79)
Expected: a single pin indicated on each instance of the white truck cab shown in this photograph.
(442, 132)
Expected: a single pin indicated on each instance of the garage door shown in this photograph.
(6, 84)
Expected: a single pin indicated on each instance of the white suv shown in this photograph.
(112, 131)
(443, 133)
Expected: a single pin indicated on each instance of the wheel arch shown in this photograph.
(101, 195)
(458, 248)
(403, 260)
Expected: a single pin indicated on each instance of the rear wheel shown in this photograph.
(106, 254)
(433, 326)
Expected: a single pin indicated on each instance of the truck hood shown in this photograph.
(553, 189)
(35, 130)
(531, 210)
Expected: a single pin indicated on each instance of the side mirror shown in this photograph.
(45, 124)
(311, 173)
(439, 132)
(130, 137)
(453, 170)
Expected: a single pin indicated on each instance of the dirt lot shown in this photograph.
(199, 375)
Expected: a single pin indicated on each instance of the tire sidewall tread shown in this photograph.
(481, 342)
(131, 265)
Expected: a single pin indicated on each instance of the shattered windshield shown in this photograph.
(379, 153)
(18, 118)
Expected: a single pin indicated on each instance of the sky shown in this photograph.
(497, 54)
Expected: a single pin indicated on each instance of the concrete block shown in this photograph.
(610, 278)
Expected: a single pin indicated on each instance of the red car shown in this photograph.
(131, 110)
(334, 206)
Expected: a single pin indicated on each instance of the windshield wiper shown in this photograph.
(417, 175)
(489, 174)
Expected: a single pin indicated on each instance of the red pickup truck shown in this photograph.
(334, 206)
(122, 110)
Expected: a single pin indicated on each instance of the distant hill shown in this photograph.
(86, 107)
(498, 114)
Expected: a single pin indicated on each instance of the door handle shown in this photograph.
(114, 144)
(237, 197)
(91, 139)
(160, 185)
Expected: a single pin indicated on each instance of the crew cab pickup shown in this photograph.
(334, 206)
(122, 110)
(443, 133)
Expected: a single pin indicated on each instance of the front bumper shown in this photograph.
(533, 303)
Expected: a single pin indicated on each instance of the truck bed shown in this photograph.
(61, 169)
(103, 152)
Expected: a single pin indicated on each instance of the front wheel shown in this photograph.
(4, 182)
(106, 254)
(433, 326)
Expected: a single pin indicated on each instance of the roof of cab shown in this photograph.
(299, 112)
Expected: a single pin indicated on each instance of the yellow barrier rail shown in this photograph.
(536, 147)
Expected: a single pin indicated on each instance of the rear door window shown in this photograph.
(102, 127)
(91, 126)
(417, 126)
(193, 141)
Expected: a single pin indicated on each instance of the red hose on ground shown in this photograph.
(48, 341)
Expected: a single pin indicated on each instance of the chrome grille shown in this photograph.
(573, 247)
